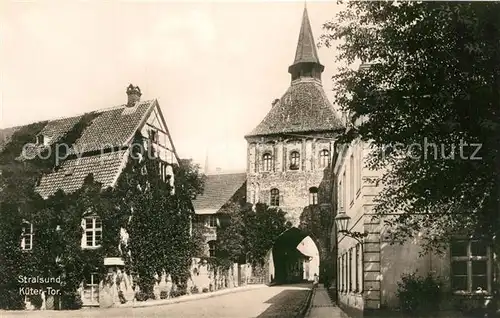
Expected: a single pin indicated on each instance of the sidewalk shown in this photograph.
(180, 299)
(322, 306)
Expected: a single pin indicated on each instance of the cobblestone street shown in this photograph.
(277, 301)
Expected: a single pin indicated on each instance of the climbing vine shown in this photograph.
(156, 218)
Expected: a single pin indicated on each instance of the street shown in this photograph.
(277, 301)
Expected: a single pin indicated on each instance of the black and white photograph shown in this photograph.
(249, 159)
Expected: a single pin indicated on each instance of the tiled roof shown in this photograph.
(218, 190)
(110, 128)
(303, 108)
(113, 127)
(69, 177)
(306, 48)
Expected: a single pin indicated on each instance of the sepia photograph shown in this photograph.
(249, 159)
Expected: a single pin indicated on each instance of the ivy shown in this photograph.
(156, 219)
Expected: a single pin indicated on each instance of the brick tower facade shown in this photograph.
(290, 151)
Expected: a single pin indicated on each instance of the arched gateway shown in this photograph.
(294, 257)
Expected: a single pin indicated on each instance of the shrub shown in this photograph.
(163, 295)
(419, 295)
(36, 301)
(205, 290)
(195, 290)
(142, 296)
(71, 301)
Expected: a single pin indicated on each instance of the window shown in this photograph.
(313, 196)
(211, 221)
(360, 166)
(324, 158)
(211, 248)
(350, 270)
(344, 192)
(351, 179)
(153, 135)
(267, 162)
(471, 266)
(294, 160)
(275, 197)
(359, 269)
(343, 273)
(93, 231)
(340, 198)
(40, 140)
(91, 289)
(27, 236)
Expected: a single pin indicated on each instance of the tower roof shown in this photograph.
(306, 49)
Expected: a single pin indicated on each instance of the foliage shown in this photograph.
(434, 79)
(156, 218)
(419, 295)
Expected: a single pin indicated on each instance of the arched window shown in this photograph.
(313, 196)
(294, 160)
(275, 197)
(267, 162)
(324, 158)
(211, 248)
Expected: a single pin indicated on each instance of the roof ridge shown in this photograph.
(100, 110)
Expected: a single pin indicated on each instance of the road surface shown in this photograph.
(266, 302)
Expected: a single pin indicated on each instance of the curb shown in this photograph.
(306, 307)
(186, 298)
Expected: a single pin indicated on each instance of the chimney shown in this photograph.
(275, 102)
(134, 95)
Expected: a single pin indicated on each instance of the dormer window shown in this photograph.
(40, 139)
(294, 160)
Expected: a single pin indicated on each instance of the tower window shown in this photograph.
(275, 197)
(313, 196)
(267, 161)
(294, 160)
(324, 158)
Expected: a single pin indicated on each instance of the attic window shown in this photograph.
(153, 135)
(40, 139)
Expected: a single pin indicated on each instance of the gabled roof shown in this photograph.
(110, 128)
(219, 189)
(303, 108)
(306, 48)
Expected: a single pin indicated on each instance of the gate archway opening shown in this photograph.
(295, 257)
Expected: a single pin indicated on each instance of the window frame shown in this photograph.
(93, 287)
(313, 196)
(267, 162)
(294, 160)
(469, 259)
(211, 221)
(324, 158)
(274, 197)
(96, 243)
(25, 235)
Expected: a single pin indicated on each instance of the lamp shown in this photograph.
(342, 222)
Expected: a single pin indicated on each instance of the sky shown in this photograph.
(215, 67)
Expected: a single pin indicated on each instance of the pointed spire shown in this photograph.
(306, 48)
(306, 62)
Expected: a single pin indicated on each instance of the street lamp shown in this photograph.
(342, 222)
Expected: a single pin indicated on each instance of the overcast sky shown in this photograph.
(215, 67)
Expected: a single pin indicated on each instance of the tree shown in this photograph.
(434, 78)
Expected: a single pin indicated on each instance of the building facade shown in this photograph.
(369, 270)
(103, 150)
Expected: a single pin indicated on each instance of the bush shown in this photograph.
(71, 302)
(205, 290)
(36, 301)
(418, 295)
(163, 295)
(178, 292)
(195, 290)
(142, 296)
